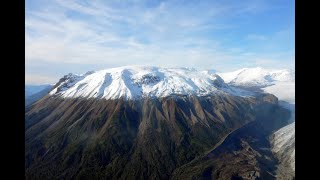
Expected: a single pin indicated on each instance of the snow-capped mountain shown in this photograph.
(142, 81)
(82, 129)
(280, 83)
(258, 76)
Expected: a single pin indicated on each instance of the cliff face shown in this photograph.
(147, 138)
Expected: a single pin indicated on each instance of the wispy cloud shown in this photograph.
(115, 33)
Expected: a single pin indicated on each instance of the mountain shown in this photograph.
(257, 77)
(281, 84)
(140, 122)
(35, 92)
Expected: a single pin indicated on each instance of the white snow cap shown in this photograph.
(133, 82)
(257, 76)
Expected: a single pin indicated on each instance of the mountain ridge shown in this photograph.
(142, 81)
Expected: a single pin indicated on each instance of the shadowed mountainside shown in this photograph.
(136, 139)
(244, 154)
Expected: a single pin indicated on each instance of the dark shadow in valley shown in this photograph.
(244, 154)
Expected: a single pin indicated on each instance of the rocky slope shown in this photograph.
(244, 154)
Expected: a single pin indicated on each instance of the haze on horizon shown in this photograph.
(65, 36)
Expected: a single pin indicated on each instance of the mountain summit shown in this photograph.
(133, 82)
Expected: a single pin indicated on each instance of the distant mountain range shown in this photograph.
(258, 76)
(142, 81)
(36, 92)
(144, 122)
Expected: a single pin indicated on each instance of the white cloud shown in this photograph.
(65, 40)
(71, 32)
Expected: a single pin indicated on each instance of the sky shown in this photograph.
(63, 36)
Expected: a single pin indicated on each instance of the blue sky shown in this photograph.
(65, 36)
